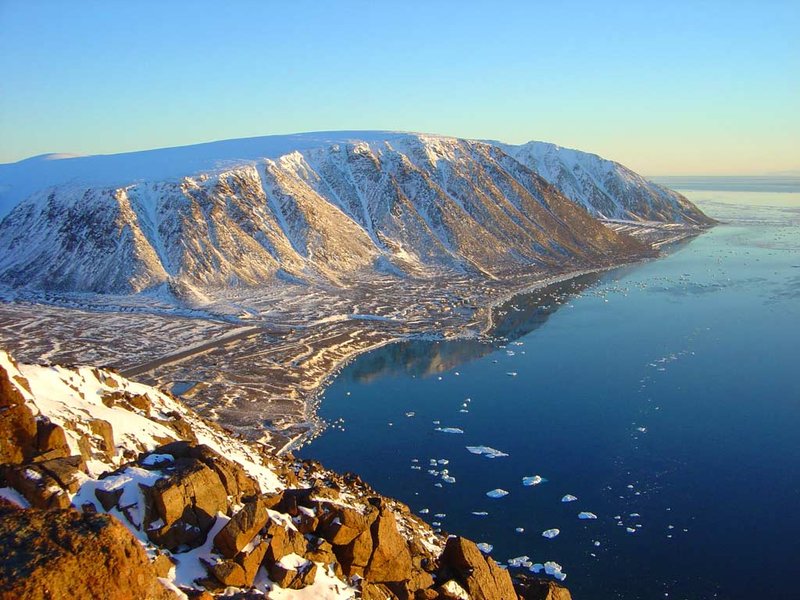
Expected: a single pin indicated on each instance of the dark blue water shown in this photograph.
(670, 390)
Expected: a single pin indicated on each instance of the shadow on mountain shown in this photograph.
(513, 319)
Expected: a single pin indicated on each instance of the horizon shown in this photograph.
(664, 90)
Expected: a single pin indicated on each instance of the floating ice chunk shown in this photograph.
(520, 530)
(410, 413)
(436, 422)
(480, 513)
(537, 568)
(569, 498)
(437, 484)
(463, 410)
(551, 567)
(634, 515)
(630, 529)
(587, 515)
(497, 493)
(534, 480)
(449, 430)
(443, 461)
(486, 451)
(484, 547)
(642, 429)
(424, 511)
(550, 533)
(512, 373)
(448, 479)
(596, 543)
(440, 515)
(561, 576)
(519, 561)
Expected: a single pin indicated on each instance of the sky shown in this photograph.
(667, 88)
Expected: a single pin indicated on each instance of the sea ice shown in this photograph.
(550, 533)
(484, 547)
(449, 430)
(569, 498)
(537, 568)
(520, 530)
(497, 493)
(587, 515)
(512, 373)
(480, 513)
(424, 511)
(486, 451)
(630, 529)
(535, 480)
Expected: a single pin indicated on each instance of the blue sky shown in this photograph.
(664, 87)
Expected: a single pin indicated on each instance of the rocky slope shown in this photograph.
(110, 489)
(330, 211)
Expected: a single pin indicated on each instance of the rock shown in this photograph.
(67, 471)
(67, 554)
(320, 550)
(283, 542)
(51, 439)
(241, 529)
(354, 557)
(390, 560)
(293, 579)
(36, 485)
(478, 575)
(376, 591)
(18, 440)
(187, 502)
(426, 594)
(533, 588)
(342, 525)
(162, 564)
(227, 572)
(105, 432)
(251, 561)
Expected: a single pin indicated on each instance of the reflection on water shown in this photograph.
(511, 320)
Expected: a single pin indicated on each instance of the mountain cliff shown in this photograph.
(323, 208)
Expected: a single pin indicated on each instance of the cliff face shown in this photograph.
(111, 485)
(410, 205)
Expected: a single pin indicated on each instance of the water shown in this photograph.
(668, 390)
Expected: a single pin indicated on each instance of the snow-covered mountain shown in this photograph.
(605, 188)
(318, 207)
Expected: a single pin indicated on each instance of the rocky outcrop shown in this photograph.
(478, 575)
(69, 554)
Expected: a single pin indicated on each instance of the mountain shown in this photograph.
(328, 208)
(605, 188)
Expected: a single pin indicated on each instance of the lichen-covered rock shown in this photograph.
(68, 554)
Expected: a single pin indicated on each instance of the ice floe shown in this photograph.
(569, 498)
(480, 513)
(484, 547)
(586, 515)
(550, 533)
(497, 493)
(486, 451)
(449, 430)
(534, 480)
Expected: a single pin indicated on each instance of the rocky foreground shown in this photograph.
(112, 489)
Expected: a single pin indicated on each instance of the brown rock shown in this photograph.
(105, 432)
(354, 556)
(18, 441)
(241, 529)
(251, 561)
(390, 560)
(67, 471)
(291, 578)
(284, 541)
(533, 588)
(342, 525)
(426, 594)
(321, 551)
(37, 486)
(76, 555)
(227, 572)
(163, 565)
(51, 439)
(376, 591)
(478, 575)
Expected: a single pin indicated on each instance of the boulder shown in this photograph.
(291, 578)
(478, 575)
(67, 471)
(227, 572)
(354, 557)
(68, 554)
(341, 525)
(51, 440)
(36, 485)
(18, 440)
(391, 559)
(283, 542)
(533, 588)
(241, 529)
(251, 561)
(103, 430)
